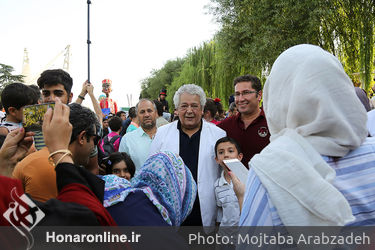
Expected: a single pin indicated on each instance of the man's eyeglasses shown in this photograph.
(244, 93)
(96, 138)
(193, 106)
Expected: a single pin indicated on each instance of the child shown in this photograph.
(228, 208)
(14, 97)
(121, 165)
(111, 142)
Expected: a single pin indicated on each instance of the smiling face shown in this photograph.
(190, 111)
(246, 98)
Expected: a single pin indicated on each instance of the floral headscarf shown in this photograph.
(165, 180)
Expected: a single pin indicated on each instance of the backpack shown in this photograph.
(105, 148)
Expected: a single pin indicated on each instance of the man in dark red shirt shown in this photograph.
(249, 127)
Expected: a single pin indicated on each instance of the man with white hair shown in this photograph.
(194, 140)
(319, 167)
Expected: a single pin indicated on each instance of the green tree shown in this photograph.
(255, 32)
(6, 76)
(159, 79)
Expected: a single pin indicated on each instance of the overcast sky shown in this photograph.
(129, 38)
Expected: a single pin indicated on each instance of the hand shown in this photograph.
(84, 89)
(238, 187)
(90, 89)
(15, 147)
(102, 169)
(57, 129)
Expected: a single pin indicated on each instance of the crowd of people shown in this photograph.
(304, 138)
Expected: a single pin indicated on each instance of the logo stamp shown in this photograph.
(262, 131)
(23, 215)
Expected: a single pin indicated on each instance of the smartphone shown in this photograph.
(33, 116)
(237, 168)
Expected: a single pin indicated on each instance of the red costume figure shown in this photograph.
(107, 102)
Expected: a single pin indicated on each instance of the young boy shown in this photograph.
(111, 142)
(14, 97)
(228, 208)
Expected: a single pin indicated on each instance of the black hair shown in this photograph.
(159, 107)
(219, 107)
(132, 113)
(82, 119)
(115, 123)
(210, 106)
(36, 93)
(117, 157)
(120, 112)
(16, 95)
(255, 82)
(54, 77)
(227, 139)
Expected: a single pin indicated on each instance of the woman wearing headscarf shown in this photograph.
(319, 168)
(162, 193)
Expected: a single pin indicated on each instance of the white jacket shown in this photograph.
(167, 138)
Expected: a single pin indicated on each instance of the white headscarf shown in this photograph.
(311, 110)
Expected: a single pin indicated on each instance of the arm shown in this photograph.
(82, 94)
(15, 147)
(95, 103)
(238, 187)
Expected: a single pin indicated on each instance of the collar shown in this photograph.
(261, 114)
(179, 126)
(143, 133)
(222, 180)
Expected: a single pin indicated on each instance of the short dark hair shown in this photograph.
(255, 82)
(159, 107)
(82, 119)
(54, 77)
(36, 92)
(120, 112)
(115, 123)
(227, 139)
(210, 106)
(16, 95)
(132, 113)
(117, 157)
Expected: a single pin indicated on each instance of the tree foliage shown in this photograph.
(254, 32)
(6, 76)
(160, 79)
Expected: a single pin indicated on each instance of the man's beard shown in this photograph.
(148, 126)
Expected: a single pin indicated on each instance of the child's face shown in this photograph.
(226, 151)
(121, 170)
